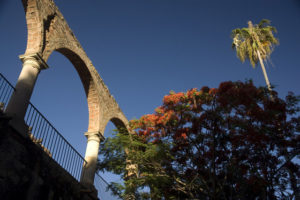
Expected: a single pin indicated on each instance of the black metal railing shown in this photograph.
(6, 90)
(102, 187)
(43, 133)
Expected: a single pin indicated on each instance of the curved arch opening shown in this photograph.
(118, 123)
(89, 87)
(59, 95)
(88, 84)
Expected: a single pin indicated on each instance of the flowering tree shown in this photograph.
(232, 142)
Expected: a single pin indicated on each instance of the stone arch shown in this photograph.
(118, 119)
(47, 32)
(118, 123)
(92, 94)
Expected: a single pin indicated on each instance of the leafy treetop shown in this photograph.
(230, 142)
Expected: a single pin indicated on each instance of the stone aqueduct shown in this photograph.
(47, 32)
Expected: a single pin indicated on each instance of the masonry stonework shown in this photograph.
(47, 32)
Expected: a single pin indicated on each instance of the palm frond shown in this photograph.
(263, 22)
(257, 37)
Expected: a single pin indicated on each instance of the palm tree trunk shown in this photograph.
(264, 71)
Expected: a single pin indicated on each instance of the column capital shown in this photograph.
(35, 60)
(95, 135)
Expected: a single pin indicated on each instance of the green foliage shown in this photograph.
(232, 142)
(113, 153)
(255, 38)
(147, 156)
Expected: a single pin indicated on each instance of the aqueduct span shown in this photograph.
(48, 31)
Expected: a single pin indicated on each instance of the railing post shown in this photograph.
(17, 106)
(91, 155)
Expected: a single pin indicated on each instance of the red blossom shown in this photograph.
(235, 125)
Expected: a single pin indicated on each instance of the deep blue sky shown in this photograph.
(145, 48)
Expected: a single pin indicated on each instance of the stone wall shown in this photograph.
(27, 172)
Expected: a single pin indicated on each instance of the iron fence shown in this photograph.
(6, 90)
(43, 133)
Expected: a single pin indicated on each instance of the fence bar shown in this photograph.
(6, 90)
(52, 142)
(44, 135)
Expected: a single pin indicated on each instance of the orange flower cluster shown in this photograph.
(166, 117)
(149, 120)
(192, 93)
(224, 123)
(159, 110)
(173, 98)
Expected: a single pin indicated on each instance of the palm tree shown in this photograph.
(255, 43)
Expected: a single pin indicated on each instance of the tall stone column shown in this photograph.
(91, 156)
(17, 106)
